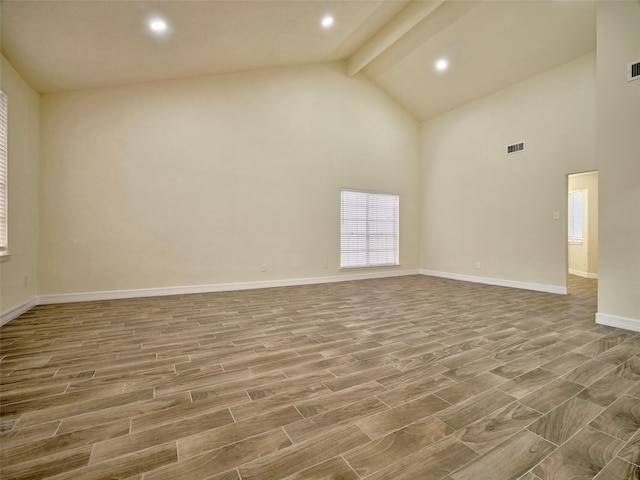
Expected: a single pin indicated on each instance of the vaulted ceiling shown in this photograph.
(60, 45)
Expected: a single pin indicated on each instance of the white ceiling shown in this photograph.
(60, 45)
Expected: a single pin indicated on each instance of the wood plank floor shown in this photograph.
(401, 378)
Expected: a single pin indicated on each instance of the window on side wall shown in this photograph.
(369, 227)
(4, 196)
(575, 217)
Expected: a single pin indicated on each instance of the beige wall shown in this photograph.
(480, 205)
(583, 259)
(619, 162)
(18, 272)
(202, 181)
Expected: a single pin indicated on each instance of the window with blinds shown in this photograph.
(4, 239)
(369, 227)
(575, 217)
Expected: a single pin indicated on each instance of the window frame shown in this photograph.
(4, 174)
(369, 220)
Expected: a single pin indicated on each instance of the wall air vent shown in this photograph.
(633, 71)
(515, 148)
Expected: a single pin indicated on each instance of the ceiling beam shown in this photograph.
(405, 20)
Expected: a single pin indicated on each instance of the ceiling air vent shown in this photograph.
(633, 71)
(515, 148)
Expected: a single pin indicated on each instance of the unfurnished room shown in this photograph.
(330, 239)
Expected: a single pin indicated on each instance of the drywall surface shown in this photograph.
(619, 162)
(483, 207)
(203, 181)
(18, 271)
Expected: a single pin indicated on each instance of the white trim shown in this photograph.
(498, 282)
(582, 174)
(223, 287)
(579, 273)
(19, 310)
(219, 287)
(618, 322)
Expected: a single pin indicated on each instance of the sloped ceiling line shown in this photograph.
(61, 45)
(399, 26)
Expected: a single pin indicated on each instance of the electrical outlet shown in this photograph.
(477, 264)
(325, 264)
(26, 280)
(263, 267)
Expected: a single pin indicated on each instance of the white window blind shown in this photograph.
(369, 229)
(3, 174)
(575, 216)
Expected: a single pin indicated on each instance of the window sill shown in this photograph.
(386, 265)
(5, 256)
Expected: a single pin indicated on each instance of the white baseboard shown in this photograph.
(618, 322)
(15, 312)
(163, 291)
(580, 273)
(560, 290)
(218, 287)
(5, 317)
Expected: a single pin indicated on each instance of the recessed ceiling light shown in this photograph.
(327, 21)
(441, 65)
(158, 25)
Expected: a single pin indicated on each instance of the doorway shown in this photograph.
(582, 230)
